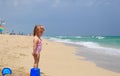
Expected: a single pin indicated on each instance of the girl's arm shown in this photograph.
(35, 41)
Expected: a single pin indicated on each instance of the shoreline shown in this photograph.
(101, 59)
(56, 58)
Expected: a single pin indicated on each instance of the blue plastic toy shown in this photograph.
(6, 71)
(35, 72)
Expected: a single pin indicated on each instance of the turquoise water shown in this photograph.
(112, 41)
(109, 44)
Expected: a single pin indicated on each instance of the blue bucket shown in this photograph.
(35, 72)
(6, 71)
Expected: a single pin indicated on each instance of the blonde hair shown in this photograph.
(38, 28)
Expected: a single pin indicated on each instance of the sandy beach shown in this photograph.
(57, 59)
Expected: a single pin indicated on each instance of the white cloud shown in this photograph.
(19, 3)
(47, 3)
(15, 3)
(108, 3)
(56, 3)
(90, 3)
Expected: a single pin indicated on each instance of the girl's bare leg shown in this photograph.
(35, 62)
(38, 57)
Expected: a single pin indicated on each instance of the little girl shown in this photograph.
(37, 43)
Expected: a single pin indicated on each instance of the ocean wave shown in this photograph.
(89, 44)
(100, 37)
(105, 50)
(78, 36)
(65, 37)
(60, 40)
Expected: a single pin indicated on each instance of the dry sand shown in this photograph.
(57, 59)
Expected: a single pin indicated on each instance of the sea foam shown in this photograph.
(88, 44)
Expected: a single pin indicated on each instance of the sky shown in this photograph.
(62, 17)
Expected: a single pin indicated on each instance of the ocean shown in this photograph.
(107, 44)
(102, 50)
